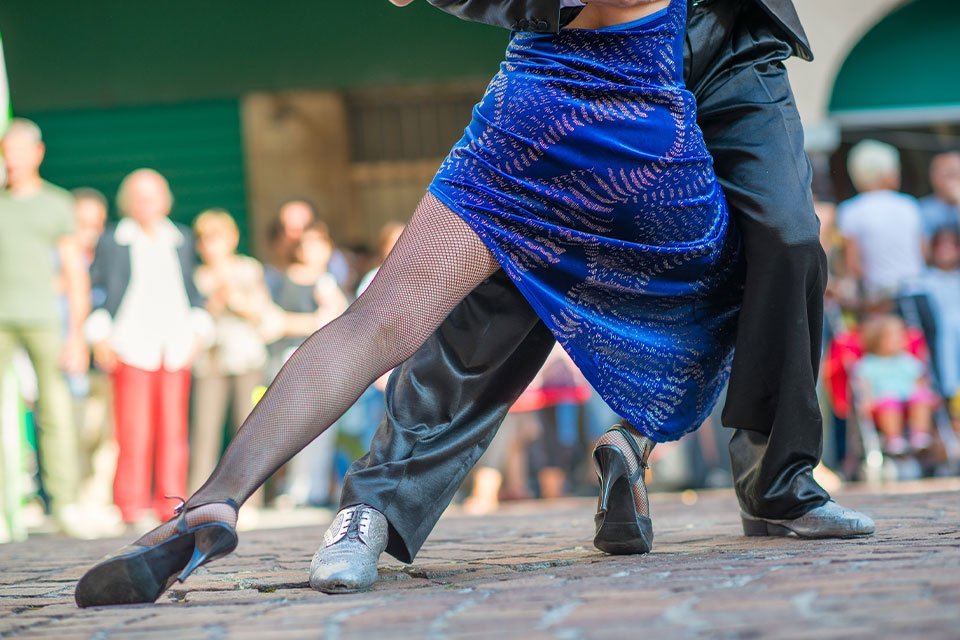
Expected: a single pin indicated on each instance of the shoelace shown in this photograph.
(354, 525)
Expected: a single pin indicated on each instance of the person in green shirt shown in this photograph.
(36, 227)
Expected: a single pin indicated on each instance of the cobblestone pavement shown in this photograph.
(530, 571)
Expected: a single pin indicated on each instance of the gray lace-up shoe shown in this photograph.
(830, 520)
(347, 560)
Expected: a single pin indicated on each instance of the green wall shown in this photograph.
(197, 146)
(68, 54)
(910, 59)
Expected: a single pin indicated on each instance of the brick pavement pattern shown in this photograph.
(530, 571)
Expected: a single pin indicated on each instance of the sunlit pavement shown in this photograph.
(530, 571)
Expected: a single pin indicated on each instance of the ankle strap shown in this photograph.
(629, 434)
(181, 509)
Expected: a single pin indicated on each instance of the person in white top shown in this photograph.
(884, 240)
(882, 228)
(146, 333)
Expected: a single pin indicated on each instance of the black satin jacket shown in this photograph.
(546, 16)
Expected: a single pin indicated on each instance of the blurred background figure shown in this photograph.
(146, 332)
(942, 207)
(92, 396)
(226, 374)
(942, 284)
(90, 216)
(36, 233)
(563, 391)
(883, 237)
(286, 231)
(894, 387)
(307, 288)
(389, 234)
(882, 228)
(504, 469)
(541, 434)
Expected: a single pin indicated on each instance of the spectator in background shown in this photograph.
(942, 283)
(841, 291)
(882, 229)
(92, 398)
(293, 219)
(36, 227)
(146, 332)
(226, 374)
(895, 387)
(389, 234)
(942, 207)
(90, 214)
(883, 237)
(308, 287)
(563, 390)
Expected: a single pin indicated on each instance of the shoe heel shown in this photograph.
(611, 467)
(761, 528)
(210, 543)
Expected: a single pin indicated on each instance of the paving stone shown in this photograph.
(531, 571)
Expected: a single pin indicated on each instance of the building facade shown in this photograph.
(353, 104)
(885, 69)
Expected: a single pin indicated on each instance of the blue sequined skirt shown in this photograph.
(584, 172)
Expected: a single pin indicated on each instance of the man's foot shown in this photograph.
(347, 560)
(829, 520)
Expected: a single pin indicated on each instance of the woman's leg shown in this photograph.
(437, 261)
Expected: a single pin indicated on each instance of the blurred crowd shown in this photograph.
(131, 351)
(891, 373)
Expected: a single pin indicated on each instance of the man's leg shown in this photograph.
(752, 129)
(444, 406)
(58, 436)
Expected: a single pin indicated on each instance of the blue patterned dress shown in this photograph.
(584, 172)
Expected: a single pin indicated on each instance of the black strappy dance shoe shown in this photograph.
(621, 529)
(139, 574)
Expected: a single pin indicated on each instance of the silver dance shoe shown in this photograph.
(829, 520)
(347, 560)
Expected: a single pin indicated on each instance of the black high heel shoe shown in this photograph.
(138, 574)
(620, 528)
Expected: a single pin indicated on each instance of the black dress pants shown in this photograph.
(445, 404)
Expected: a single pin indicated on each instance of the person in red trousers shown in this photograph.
(145, 331)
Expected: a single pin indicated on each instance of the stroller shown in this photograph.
(865, 457)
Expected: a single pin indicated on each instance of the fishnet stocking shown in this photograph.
(615, 438)
(435, 264)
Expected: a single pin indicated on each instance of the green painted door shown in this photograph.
(197, 146)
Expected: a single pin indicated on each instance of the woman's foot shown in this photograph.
(142, 571)
(347, 560)
(623, 512)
